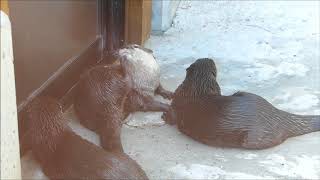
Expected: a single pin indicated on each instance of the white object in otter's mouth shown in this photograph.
(142, 68)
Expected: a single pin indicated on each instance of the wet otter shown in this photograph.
(143, 69)
(107, 94)
(63, 154)
(242, 120)
(97, 109)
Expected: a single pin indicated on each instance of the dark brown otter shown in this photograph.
(63, 154)
(242, 120)
(97, 109)
(105, 96)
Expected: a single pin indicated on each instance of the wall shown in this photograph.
(163, 12)
(10, 155)
(137, 21)
(47, 36)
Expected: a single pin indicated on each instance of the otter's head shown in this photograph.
(133, 56)
(44, 124)
(200, 79)
(202, 68)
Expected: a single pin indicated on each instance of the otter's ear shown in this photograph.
(190, 68)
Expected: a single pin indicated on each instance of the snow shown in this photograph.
(199, 171)
(303, 166)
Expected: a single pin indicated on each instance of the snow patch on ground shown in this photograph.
(303, 166)
(84, 132)
(79, 129)
(200, 171)
(263, 72)
(300, 103)
(140, 119)
(247, 156)
(196, 171)
(30, 169)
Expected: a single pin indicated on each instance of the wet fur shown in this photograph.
(64, 155)
(242, 120)
(107, 94)
(99, 103)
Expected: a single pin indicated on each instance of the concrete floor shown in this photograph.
(268, 48)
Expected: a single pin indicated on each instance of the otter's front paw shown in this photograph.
(164, 93)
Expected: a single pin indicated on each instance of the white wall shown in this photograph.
(10, 155)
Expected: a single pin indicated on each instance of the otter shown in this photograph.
(106, 94)
(242, 120)
(62, 154)
(99, 102)
(143, 69)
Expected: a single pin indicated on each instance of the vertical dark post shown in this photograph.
(119, 17)
(115, 24)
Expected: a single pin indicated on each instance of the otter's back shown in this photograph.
(223, 119)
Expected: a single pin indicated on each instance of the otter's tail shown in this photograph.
(304, 124)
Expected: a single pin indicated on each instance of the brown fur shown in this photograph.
(99, 103)
(106, 95)
(64, 155)
(242, 120)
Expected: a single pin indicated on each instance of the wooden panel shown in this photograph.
(63, 81)
(4, 6)
(146, 19)
(47, 35)
(138, 21)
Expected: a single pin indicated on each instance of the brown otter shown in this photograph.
(242, 120)
(107, 94)
(63, 154)
(97, 109)
(104, 99)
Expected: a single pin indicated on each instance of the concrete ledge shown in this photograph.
(10, 154)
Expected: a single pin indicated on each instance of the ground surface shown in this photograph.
(268, 48)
